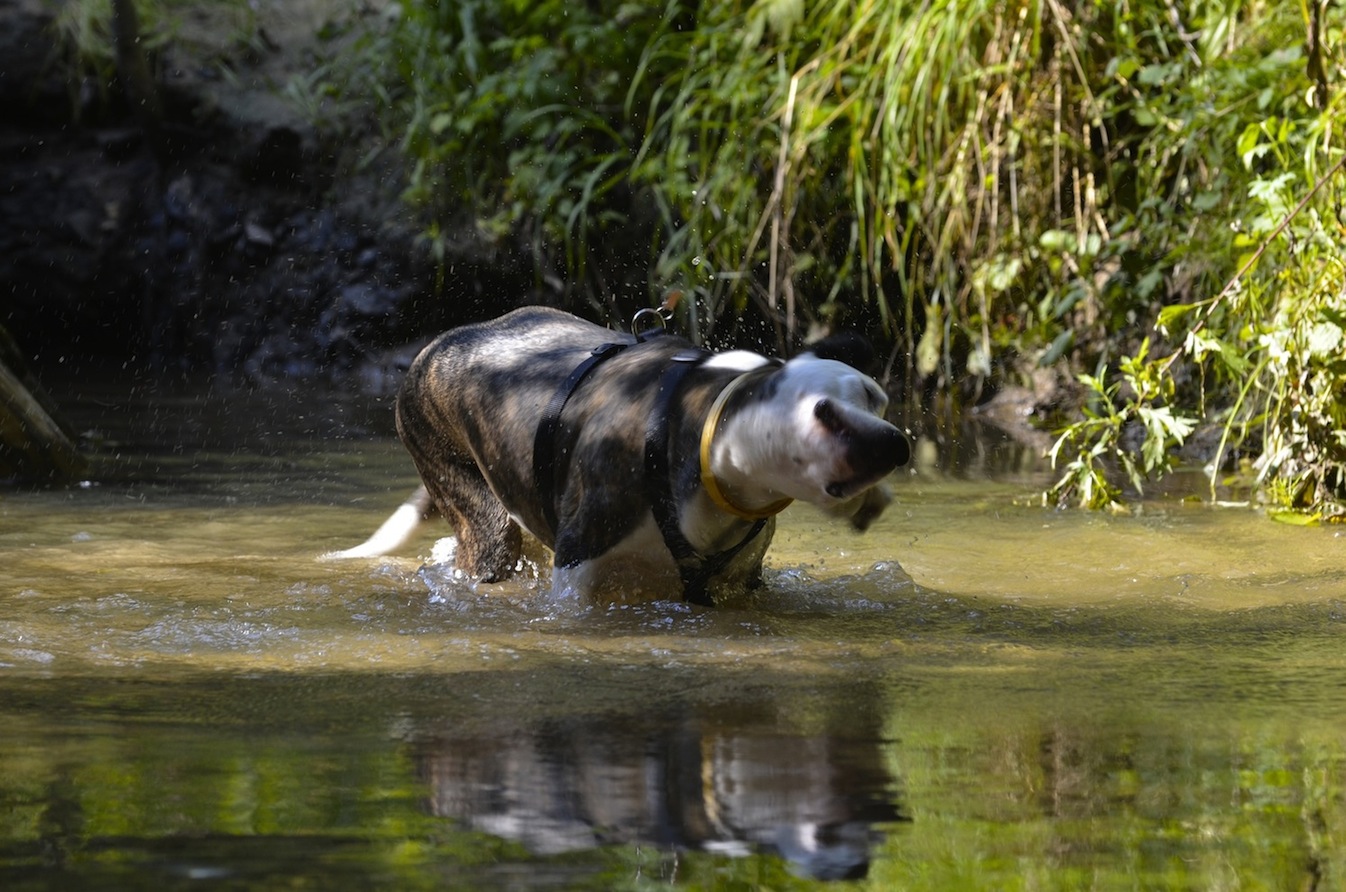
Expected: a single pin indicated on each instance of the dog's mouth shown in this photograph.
(853, 486)
(844, 489)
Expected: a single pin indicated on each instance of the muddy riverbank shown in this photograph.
(266, 244)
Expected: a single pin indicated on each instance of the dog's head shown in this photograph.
(817, 429)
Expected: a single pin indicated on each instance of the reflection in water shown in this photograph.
(1115, 773)
(732, 788)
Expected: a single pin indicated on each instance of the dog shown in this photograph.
(644, 464)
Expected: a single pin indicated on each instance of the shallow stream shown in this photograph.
(977, 694)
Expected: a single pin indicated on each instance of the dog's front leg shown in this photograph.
(627, 562)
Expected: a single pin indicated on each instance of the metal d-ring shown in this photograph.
(648, 313)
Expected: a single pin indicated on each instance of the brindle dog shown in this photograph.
(660, 470)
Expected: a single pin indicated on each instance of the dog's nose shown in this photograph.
(881, 451)
(899, 448)
(889, 451)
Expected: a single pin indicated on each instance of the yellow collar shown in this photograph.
(712, 486)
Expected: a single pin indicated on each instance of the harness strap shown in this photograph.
(544, 441)
(695, 570)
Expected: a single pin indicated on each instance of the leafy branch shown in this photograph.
(1137, 402)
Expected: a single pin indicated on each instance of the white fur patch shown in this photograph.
(736, 361)
(638, 566)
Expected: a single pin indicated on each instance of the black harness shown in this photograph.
(544, 441)
(695, 570)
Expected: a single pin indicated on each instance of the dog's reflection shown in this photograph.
(819, 801)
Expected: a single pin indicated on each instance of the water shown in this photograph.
(977, 694)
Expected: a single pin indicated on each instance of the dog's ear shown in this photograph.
(849, 347)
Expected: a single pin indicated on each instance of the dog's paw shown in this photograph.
(869, 506)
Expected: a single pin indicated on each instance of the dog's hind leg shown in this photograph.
(489, 541)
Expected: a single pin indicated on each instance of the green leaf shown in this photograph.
(440, 122)
(1123, 68)
(930, 348)
(1057, 240)
(1149, 282)
(1324, 340)
(1060, 344)
(1295, 518)
(1068, 301)
(1157, 74)
(1208, 200)
(1170, 314)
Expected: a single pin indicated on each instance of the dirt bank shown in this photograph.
(253, 244)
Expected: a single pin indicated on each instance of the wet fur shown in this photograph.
(471, 403)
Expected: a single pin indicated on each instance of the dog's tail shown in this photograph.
(394, 531)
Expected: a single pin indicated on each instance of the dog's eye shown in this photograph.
(827, 415)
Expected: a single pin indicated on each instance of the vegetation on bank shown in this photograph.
(1145, 195)
(1112, 188)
